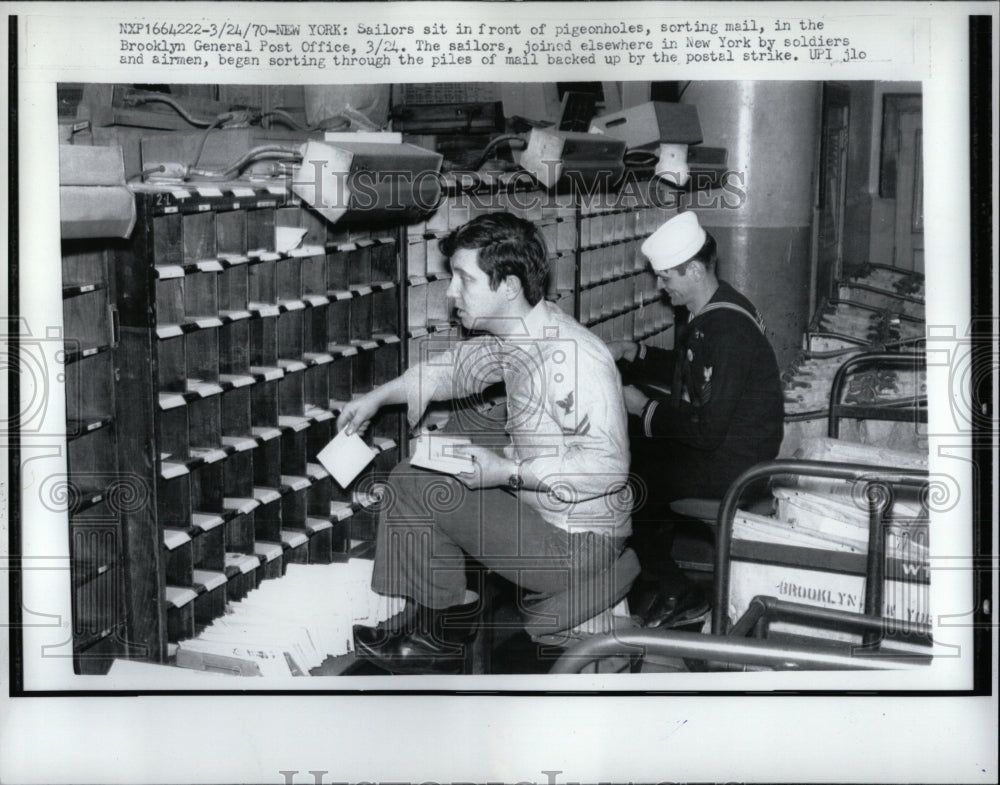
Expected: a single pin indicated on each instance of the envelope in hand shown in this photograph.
(345, 457)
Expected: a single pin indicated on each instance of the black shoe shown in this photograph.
(683, 606)
(642, 596)
(431, 641)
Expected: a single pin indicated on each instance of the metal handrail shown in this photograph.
(764, 611)
(879, 482)
(738, 651)
(913, 361)
(731, 646)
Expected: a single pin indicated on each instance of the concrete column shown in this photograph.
(762, 218)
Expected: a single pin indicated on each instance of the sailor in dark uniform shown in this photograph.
(700, 414)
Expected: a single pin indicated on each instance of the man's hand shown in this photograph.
(623, 350)
(356, 415)
(635, 400)
(490, 470)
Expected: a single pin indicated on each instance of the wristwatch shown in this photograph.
(515, 482)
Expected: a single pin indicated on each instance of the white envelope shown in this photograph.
(345, 457)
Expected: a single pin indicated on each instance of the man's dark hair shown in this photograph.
(507, 245)
(708, 255)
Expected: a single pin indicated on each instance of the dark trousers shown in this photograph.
(429, 521)
(663, 473)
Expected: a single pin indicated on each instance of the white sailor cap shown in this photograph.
(675, 242)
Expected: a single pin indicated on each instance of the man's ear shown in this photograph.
(512, 287)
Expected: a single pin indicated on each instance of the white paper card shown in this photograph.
(345, 457)
(437, 452)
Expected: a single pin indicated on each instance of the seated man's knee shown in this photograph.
(415, 495)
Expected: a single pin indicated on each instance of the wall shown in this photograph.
(771, 131)
(860, 187)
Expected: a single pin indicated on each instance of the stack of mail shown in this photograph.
(290, 626)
